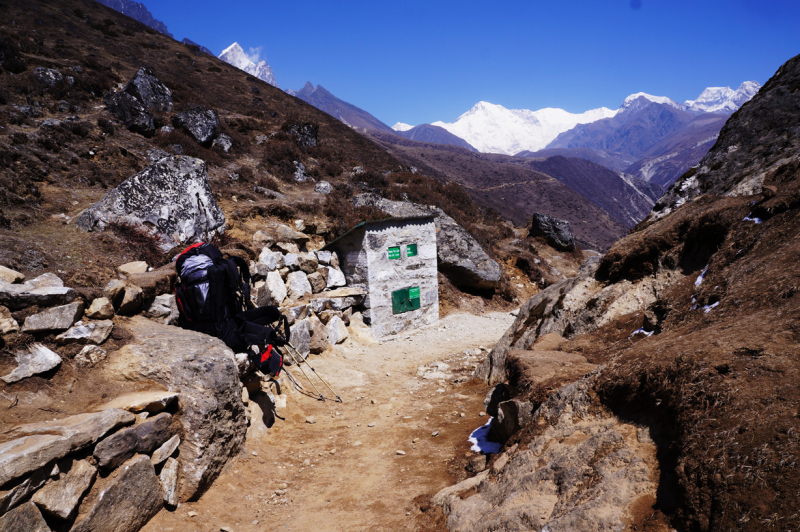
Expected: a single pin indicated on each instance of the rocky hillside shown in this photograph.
(681, 347)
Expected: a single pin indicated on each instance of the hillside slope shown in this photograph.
(693, 319)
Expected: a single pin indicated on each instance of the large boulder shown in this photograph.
(170, 198)
(131, 112)
(32, 360)
(19, 296)
(557, 232)
(203, 371)
(146, 87)
(199, 123)
(25, 518)
(460, 257)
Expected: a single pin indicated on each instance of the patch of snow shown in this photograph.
(655, 99)
(480, 442)
(709, 308)
(400, 126)
(641, 331)
(723, 99)
(700, 278)
(749, 218)
(234, 55)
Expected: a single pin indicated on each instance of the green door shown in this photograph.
(405, 300)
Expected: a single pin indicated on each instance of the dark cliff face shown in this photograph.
(137, 11)
(757, 148)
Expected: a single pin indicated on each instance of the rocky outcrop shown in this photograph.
(565, 308)
(148, 89)
(203, 371)
(555, 231)
(460, 257)
(585, 471)
(131, 112)
(171, 198)
(199, 123)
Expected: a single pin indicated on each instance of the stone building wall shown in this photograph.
(387, 275)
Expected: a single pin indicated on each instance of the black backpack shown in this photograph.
(213, 295)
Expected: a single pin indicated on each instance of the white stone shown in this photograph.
(292, 261)
(335, 278)
(166, 450)
(7, 322)
(62, 496)
(269, 259)
(297, 285)
(54, 319)
(32, 361)
(90, 355)
(169, 482)
(324, 257)
(95, 332)
(100, 309)
(337, 331)
(47, 280)
(8, 275)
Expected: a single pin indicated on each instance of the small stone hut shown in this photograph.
(394, 260)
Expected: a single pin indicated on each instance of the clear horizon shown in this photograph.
(420, 62)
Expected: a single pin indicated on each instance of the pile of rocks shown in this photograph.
(48, 470)
(308, 286)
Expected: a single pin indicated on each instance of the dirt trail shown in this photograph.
(340, 473)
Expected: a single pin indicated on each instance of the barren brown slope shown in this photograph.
(716, 284)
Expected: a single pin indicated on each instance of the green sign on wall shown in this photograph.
(405, 300)
(394, 252)
(411, 250)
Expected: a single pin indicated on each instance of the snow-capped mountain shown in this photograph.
(400, 126)
(723, 99)
(234, 55)
(657, 99)
(494, 129)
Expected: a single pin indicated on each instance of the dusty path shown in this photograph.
(340, 473)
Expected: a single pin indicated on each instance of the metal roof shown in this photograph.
(373, 222)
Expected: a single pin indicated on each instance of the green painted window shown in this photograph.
(394, 252)
(405, 300)
(411, 250)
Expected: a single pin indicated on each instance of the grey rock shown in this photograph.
(494, 397)
(276, 288)
(270, 259)
(319, 335)
(131, 112)
(295, 313)
(143, 438)
(201, 124)
(300, 338)
(269, 193)
(169, 481)
(326, 315)
(204, 372)
(288, 247)
(557, 232)
(171, 197)
(115, 508)
(223, 142)
(7, 275)
(155, 154)
(166, 450)
(54, 319)
(317, 282)
(164, 308)
(323, 257)
(48, 76)
(39, 444)
(25, 518)
(334, 260)
(477, 463)
(261, 139)
(336, 279)
(151, 401)
(512, 415)
(90, 356)
(292, 261)
(61, 497)
(19, 296)
(130, 268)
(307, 262)
(460, 257)
(132, 301)
(146, 87)
(95, 332)
(337, 332)
(114, 291)
(31, 361)
(297, 285)
(12, 497)
(47, 280)
(306, 134)
(7, 322)
(100, 309)
(300, 174)
(323, 187)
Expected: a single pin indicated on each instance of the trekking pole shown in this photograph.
(299, 365)
(315, 373)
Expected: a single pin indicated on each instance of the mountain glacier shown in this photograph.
(492, 128)
(400, 126)
(234, 55)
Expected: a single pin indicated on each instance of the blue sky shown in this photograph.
(422, 61)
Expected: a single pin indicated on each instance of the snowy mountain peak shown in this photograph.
(400, 126)
(494, 129)
(235, 56)
(723, 99)
(656, 99)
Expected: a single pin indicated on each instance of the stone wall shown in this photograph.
(387, 275)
